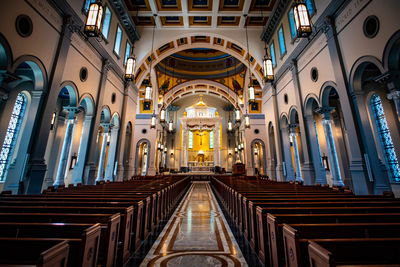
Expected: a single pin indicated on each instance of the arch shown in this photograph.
(87, 103)
(114, 122)
(105, 116)
(143, 140)
(72, 92)
(284, 119)
(358, 68)
(391, 53)
(39, 74)
(241, 57)
(6, 57)
(325, 91)
(257, 140)
(292, 114)
(190, 86)
(309, 103)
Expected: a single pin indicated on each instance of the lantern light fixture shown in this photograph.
(130, 68)
(247, 121)
(162, 115)
(148, 94)
(159, 146)
(230, 127)
(153, 121)
(93, 20)
(236, 150)
(268, 66)
(301, 19)
(170, 126)
(252, 95)
(237, 115)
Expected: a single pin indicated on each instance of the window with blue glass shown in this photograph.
(292, 24)
(190, 140)
(118, 38)
(211, 139)
(127, 52)
(385, 137)
(87, 4)
(106, 23)
(310, 7)
(281, 37)
(272, 52)
(12, 134)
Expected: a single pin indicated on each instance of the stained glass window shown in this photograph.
(127, 52)
(282, 46)
(118, 38)
(272, 51)
(310, 7)
(385, 137)
(106, 23)
(293, 29)
(211, 139)
(190, 140)
(12, 134)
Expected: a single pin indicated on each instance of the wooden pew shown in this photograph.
(354, 252)
(296, 236)
(109, 223)
(83, 239)
(33, 252)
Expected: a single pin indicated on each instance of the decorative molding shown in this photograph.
(274, 20)
(46, 10)
(120, 9)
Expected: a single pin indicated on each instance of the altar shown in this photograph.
(200, 138)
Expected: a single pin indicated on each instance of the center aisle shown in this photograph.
(196, 235)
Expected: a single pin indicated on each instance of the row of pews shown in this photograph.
(289, 224)
(91, 225)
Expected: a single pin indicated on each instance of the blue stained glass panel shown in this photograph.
(272, 51)
(282, 45)
(293, 29)
(127, 52)
(12, 134)
(385, 137)
(87, 4)
(118, 38)
(106, 23)
(310, 7)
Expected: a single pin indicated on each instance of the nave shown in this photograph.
(206, 220)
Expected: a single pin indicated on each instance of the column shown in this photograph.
(102, 158)
(122, 135)
(62, 167)
(37, 165)
(293, 134)
(395, 96)
(216, 146)
(288, 164)
(326, 122)
(277, 135)
(111, 154)
(320, 175)
(77, 173)
(357, 167)
(184, 153)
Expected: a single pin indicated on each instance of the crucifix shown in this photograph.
(200, 134)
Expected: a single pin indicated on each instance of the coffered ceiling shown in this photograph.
(200, 13)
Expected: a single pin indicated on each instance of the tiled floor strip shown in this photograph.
(196, 235)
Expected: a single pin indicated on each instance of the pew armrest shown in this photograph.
(319, 256)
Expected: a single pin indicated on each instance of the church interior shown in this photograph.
(199, 133)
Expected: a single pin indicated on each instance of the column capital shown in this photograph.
(328, 26)
(325, 112)
(394, 95)
(293, 126)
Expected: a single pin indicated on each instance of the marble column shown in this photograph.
(100, 170)
(184, 153)
(109, 173)
(62, 166)
(326, 122)
(216, 146)
(395, 97)
(320, 177)
(77, 173)
(293, 134)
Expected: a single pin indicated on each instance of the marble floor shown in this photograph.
(196, 235)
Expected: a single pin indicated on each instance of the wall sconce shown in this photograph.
(165, 149)
(162, 147)
(130, 69)
(73, 161)
(93, 20)
(255, 151)
(53, 121)
(172, 152)
(236, 150)
(230, 152)
(325, 162)
(159, 146)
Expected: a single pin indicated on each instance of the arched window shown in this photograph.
(211, 139)
(385, 137)
(12, 134)
(190, 140)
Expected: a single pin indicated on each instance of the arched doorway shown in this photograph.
(258, 157)
(142, 157)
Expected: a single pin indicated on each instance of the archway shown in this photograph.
(142, 161)
(379, 122)
(336, 137)
(295, 143)
(315, 130)
(289, 171)
(258, 157)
